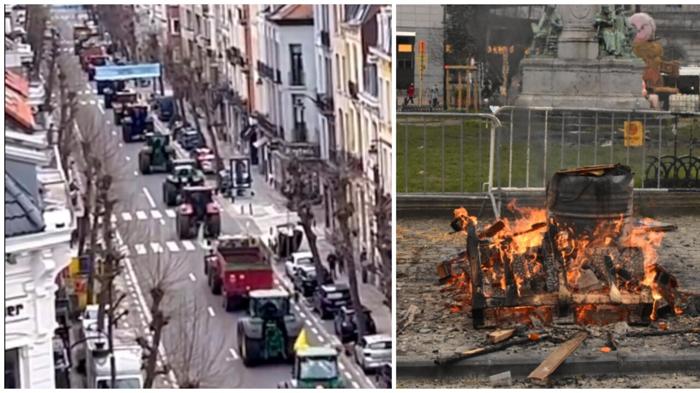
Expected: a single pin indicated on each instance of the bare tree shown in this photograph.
(344, 211)
(382, 216)
(37, 16)
(190, 354)
(300, 194)
(119, 20)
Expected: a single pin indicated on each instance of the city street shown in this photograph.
(146, 233)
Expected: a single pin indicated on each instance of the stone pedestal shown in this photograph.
(577, 78)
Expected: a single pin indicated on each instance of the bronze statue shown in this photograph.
(615, 34)
(546, 33)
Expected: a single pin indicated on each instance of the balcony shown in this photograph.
(296, 78)
(352, 89)
(267, 126)
(354, 162)
(265, 71)
(324, 102)
(325, 39)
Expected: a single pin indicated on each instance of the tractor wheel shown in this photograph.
(183, 227)
(169, 194)
(213, 226)
(144, 163)
(206, 267)
(126, 135)
(117, 119)
(216, 284)
(250, 349)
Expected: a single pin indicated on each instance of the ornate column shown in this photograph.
(578, 37)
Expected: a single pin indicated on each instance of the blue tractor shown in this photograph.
(136, 122)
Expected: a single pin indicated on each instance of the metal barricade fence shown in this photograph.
(520, 148)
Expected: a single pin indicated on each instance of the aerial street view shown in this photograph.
(198, 196)
(547, 196)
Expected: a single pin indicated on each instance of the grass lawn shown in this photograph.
(450, 154)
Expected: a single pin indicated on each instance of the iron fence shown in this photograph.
(520, 148)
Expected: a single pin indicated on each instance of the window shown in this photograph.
(297, 62)
(299, 121)
(188, 19)
(12, 377)
(176, 26)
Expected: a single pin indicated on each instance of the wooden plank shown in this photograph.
(500, 335)
(457, 356)
(556, 358)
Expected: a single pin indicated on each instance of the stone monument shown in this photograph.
(593, 66)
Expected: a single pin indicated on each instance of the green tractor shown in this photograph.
(183, 173)
(315, 367)
(157, 155)
(270, 329)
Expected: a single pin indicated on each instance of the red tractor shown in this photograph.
(198, 207)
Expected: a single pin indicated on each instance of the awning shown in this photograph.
(260, 142)
(17, 107)
(126, 72)
(17, 83)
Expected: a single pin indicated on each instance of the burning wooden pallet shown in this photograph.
(584, 259)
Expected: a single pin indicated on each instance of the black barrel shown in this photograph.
(580, 198)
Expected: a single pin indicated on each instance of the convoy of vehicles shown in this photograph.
(236, 266)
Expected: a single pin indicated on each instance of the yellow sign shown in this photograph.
(74, 267)
(634, 133)
(405, 48)
(302, 342)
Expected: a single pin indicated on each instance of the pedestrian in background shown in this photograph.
(341, 265)
(411, 93)
(434, 96)
(332, 264)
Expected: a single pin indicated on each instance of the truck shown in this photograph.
(127, 355)
(237, 265)
(315, 367)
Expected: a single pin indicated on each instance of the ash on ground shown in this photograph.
(427, 328)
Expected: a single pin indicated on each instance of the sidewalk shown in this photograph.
(267, 197)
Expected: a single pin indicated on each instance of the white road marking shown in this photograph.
(141, 215)
(113, 218)
(341, 366)
(233, 353)
(172, 246)
(120, 144)
(188, 245)
(124, 250)
(83, 102)
(211, 311)
(109, 122)
(156, 214)
(192, 277)
(320, 338)
(128, 158)
(314, 330)
(126, 324)
(355, 385)
(162, 221)
(308, 322)
(93, 102)
(156, 247)
(114, 132)
(170, 213)
(126, 216)
(150, 198)
(140, 249)
(136, 173)
(297, 308)
(347, 375)
(99, 106)
(88, 85)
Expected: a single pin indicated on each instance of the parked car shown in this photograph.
(328, 298)
(304, 280)
(373, 352)
(204, 158)
(190, 139)
(346, 324)
(297, 259)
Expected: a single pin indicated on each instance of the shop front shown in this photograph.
(31, 267)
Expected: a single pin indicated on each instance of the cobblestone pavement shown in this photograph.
(421, 243)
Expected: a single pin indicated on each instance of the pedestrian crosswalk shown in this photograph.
(172, 246)
(142, 215)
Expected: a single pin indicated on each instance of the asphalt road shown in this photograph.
(146, 227)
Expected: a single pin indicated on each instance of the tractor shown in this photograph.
(198, 207)
(119, 103)
(136, 122)
(183, 173)
(315, 367)
(157, 155)
(270, 329)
